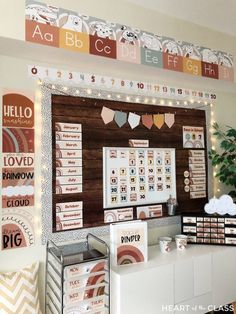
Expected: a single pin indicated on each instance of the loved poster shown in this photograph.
(17, 170)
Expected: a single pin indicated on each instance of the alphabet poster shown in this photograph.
(17, 228)
(17, 170)
(133, 176)
(62, 28)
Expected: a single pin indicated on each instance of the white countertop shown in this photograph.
(156, 258)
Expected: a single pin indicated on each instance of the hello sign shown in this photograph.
(61, 28)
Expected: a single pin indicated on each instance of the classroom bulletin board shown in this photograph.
(82, 141)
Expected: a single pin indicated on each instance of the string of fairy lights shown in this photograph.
(208, 106)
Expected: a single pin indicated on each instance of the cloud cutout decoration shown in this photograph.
(222, 206)
(18, 190)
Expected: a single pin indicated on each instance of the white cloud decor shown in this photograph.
(222, 206)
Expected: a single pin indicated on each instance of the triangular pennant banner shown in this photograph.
(120, 118)
(133, 120)
(147, 121)
(107, 115)
(169, 119)
(159, 120)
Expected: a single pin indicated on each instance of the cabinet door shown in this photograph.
(197, 305)
(146, 291)
(202, 274)
(183, 280)
(224, 276)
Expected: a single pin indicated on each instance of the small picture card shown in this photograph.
(196, 160)
(76, 270)
(68, 136)
(69, 225)
(69, 215)
(189, 229)
(199, 187)
(190, 220)
(138, 143)
(193, 137)
(197, 167)
(67, 162)
(120, 214)
(63, 171)
(201, 194)
(152, 211)
(69, 189)
(196, 181)
(69, 206)
(68, 145)
(196, 174)
(72, 154)
(230, 221)
(68, 180)
(68, 127)
(196, 153)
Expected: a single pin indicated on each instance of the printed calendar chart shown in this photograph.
(133, 176)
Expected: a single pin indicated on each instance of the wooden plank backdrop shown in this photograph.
(96, 135)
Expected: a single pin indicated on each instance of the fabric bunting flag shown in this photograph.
(107, 115)
(169, 119)
(133, 120)
(147, 120)
(120, 118)
(159, 120)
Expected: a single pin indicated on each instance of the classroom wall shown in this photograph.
(13, 71)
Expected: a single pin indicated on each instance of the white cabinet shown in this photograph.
(224, 278)
(202, 271)
(144, 292)
(183, 280)
(196, 305)
(194, 281)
